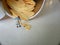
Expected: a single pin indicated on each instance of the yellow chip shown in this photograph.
(28, 13)
(30, 2)
(23, 17)
(16, 4)
(26, 25)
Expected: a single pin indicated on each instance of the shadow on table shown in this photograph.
(6, 17)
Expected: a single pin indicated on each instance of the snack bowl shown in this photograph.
(39, 6)
(2, 14)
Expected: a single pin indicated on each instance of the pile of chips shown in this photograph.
(22, 8)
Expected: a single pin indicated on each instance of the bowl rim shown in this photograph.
(32, 16)
(39, 10)
(2, 14)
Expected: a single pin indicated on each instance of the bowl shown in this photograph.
(38, 8)
(2, 14)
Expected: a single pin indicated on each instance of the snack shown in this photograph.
(23, 9)
(25, 24)
(21, 15)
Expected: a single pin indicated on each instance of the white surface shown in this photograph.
(2, 14)
(45, 29)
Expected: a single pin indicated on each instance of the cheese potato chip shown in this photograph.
(21, 15)
(16, 4)
(28, 13)
(30, 2)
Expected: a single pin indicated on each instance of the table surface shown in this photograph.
(45, 29)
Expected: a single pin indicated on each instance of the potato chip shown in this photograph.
(16, 5)
(30, 2)
(28, 13)
(23, 17)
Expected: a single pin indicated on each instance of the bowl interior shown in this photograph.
(37, 7)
